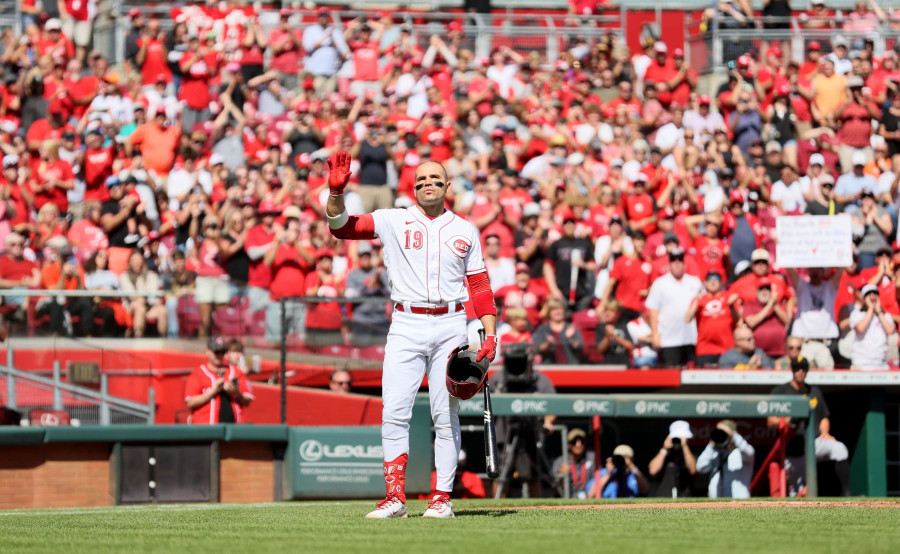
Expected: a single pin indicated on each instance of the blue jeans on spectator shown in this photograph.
(172, 314)
(645, 361)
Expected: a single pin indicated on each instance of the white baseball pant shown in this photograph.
(795, 467)
(419, 345)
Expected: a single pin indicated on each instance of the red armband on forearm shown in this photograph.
(481, 294)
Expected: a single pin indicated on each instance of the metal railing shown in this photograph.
(27, 392)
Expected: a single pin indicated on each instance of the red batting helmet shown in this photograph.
(465, 376)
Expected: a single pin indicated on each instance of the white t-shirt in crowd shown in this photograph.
(870, 348)
(815, 311)
(671, 298)
(790, 196)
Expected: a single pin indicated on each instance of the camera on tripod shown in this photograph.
(518, 367)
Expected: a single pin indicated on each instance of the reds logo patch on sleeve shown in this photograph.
(460, 245)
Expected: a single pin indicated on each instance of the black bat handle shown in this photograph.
(491, 456)
(481, 335)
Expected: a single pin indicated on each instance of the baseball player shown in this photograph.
(430, 255)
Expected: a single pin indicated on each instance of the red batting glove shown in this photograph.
(488, 349)
(338, 172)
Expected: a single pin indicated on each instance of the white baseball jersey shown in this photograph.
(427, 259)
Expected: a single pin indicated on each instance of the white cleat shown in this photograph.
(440, 507)
(387, 508)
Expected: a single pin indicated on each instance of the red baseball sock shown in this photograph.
(395, 477)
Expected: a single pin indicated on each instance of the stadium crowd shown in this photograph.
(626, 218)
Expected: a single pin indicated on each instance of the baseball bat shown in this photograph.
(491, 457)
(573, 277)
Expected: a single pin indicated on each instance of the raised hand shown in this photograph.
(338, 172)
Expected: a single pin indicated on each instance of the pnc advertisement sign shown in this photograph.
(335, 462)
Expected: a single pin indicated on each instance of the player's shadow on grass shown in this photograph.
(486, 513)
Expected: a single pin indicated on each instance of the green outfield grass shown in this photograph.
(480, 526)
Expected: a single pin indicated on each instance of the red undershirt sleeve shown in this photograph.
(481, 295)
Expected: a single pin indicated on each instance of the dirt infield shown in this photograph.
(721, 505)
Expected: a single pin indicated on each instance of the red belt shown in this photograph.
(441, 310)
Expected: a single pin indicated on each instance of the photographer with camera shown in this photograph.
(620, 478)
(521, 439)
(729, 458)
(217, 391)
(674, 465)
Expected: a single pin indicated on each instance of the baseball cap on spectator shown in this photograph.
(775, 51)
(799, 364)
(248, 201)
(284, 12)
(667, 213)
(56, 107)
(161, 78)
(558, 160)
(869, 289)
(558, 140)
(575, 434)
(498, 133)
(455, 26)
(53, 24)
(302, 160)
(112, 181)
(858, 282)
(134, 12)
(111, 77)
(291, 212)
(267, 207)
(884, 251)
(704, 100)
(216, 159)
(321, 11)
(660, 47)
(676, 253)
(839, 41)
(855, 82)
(743, 61)
(759, 255)
(726, 173)
(522, 266)
(741, 267)
(10, 160)
(772, 146)
(233, 67)
(324, 253)
(678, 53)
(363, 247)
(680, 429)
(867, 193)
(764, 283)
(217, 345)
(531, 209)
(859, 158)
(714, 274)
(640, 179)
(575, 159)
(784, 89)
(814, 44)
(817, 159)
(616, 220)
(624, 450)
(670, 237)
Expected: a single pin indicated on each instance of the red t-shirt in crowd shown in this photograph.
(98, 165)
(287, 60)
(640, 206)
(60, 170)
(288, 273)
(714, 324)
(632, 276)
(15, 270)
(745, 287)
(154, 62)
(259, 275)
(531, 299)
(87, 235)
(887, 291)
(195, 83)
(323, 315)
(770, 334)
(439, 138)
(365, 59)
(710, 255)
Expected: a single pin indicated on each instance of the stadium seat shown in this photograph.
(49, 418)
(374, 352)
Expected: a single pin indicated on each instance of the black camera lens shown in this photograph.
(618, 461)
(676, 441)
(719, 437)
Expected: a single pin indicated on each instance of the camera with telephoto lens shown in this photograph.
(618, 461)
(720, 438)
(517, 367)
(676, 442)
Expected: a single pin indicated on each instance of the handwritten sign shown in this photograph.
(814, 241)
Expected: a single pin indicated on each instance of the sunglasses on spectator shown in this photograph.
(676, 258)
(760, 262)
(794, 347)
(341, 383)
(827, 186)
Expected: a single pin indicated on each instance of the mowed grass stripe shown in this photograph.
(481, 526)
